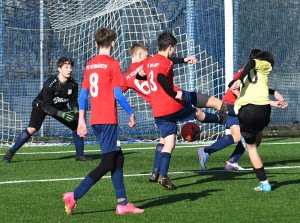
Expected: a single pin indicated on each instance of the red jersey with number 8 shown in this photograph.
(162, 103)
(102, 75)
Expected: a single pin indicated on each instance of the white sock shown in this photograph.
(264, 182)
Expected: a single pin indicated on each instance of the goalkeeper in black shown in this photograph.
(58, 91)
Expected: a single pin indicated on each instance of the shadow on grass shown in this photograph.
(93, 156)
(169, 199)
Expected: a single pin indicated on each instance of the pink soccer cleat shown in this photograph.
(70, 203)
(127, 209)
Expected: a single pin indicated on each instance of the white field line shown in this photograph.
(141, 174)
(145, 148)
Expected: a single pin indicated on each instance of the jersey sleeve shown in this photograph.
(125, 86)
(48, 95)
(86, 82)
(74, 96)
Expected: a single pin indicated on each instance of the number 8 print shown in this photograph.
(94, 84)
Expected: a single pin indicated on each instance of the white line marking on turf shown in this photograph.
(142, 174)
(137, 148)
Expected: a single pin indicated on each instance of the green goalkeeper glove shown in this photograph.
(68, 116)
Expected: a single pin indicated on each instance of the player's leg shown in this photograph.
(206, 117)
(155, 172)
(232, 163)
(205, 101)
(78, 141)
(253, 118)
(117, 178)
(166, 152)
(36, 119)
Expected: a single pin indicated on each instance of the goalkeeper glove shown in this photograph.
(76, 112)
(68, 116)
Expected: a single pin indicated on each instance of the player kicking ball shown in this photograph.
(58, 91)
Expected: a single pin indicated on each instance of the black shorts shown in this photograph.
(253, 119)
(38, 116)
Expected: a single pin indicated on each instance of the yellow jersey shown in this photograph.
(256, 90)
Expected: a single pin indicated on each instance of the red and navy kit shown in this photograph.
(162, 103)
(229, 96)
(102, 75)
(141, 87)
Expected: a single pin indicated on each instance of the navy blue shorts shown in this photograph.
(232, 118)
(108, 137)
(167, 123)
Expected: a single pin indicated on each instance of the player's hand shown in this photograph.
(81, 129)
(236, 85)
(132, 120)
(279, 104)
(179, 95)
(68, 116)
(190, 60)
(278, 96)
(76, 112)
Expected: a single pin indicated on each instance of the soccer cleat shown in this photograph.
(70, 203)
(224, 112)
(166, 182)
(244, 143)
(203, 157)
(8, 156)
(153, 177)
(83, 158)
(232, 166)
(128, 209)
(263, 187)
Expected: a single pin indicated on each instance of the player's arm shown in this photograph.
(249, 66)
(190, 60)
(48, 95)
(81, 128)
(123, 102)
(163, 81)
(74, 100)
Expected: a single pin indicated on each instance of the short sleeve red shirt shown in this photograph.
(102, 75)
(141, 87)
(229, 96)
(162, 103)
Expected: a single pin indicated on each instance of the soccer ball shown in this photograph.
(190, 131)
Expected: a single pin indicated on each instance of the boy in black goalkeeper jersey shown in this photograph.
(58, 91)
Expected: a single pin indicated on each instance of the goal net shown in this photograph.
(42, 33)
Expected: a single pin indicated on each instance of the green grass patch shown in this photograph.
(212, 196)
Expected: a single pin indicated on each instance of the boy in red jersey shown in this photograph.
(139, 53)
(103, 79)
(232, 123)
(180, 104)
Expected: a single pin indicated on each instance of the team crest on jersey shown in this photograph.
(69, 91)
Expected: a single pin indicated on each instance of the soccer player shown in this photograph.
(103, 80)
(170, 104)
(232, 123)
(139, 53)
(58, 91)
(253, 109)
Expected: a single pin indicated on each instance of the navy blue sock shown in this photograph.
(123, 203)
(79, 144)
(164, 163)
(220, 144)
(83, 187)
(237, 153)
(212, 118)
(23, 137)
(157, 157)
(118, 182)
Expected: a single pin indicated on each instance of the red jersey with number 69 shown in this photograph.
(229, 96)
(162, 103)
(102, 75)
(141, 87)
